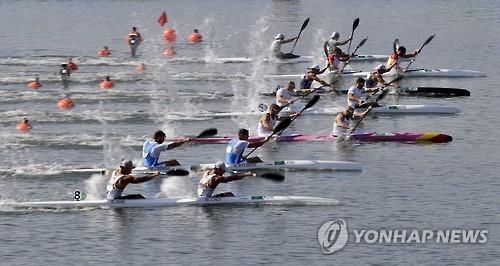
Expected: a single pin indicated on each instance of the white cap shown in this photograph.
(379, 67)
(128, 164)
(220, 165)
(334, 35)
(279, 37)
(315, 67)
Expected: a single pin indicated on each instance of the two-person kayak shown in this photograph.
(411, 136)
(174, 202)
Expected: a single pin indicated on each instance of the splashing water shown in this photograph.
(95, 187)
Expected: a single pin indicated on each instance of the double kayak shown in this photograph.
(303, 58)
(174, 202)
(385, 109)
(415, 136)
(439, 72)
(289, 165)
(401, 91)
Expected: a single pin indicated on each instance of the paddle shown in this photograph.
(395, 45)
(422, 47)
(270, 176)
(176, 172)
(355, 24)
(361, 119)
(304, 25)
(325, 49)
(361, 43)
(207, 133)
(171, 172)
(281, 126)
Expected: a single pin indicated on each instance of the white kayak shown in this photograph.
(303, 58)
(385, 109)
(290, 164)
(411, 73)
(174, 202)
(136, 171)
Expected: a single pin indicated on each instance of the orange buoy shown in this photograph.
(169, 51)
(169, 35)
(104, 52)
(34, 84)
(194, 37)
(65, 103)
(23, 126)
(106, 84)
(72, 66)
(141, 68)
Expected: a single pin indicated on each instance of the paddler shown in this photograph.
(284, 94)
(355, 93)
(152, 149)
(121, 178)
(65, 73)
(236, 147)
(310, 76)
(134, 38)
(395, 58)
(342, 124)
(375, 77)
(335, 58)
(213, 177)
(333, 42)
(268, 121)
(276, 47)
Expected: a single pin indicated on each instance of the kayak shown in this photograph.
(291, 165)
(304, 58)
(430, 91)
(385, 109)
(417, 91)
(174, 202)
(417, 136)
(137, 171)
(411, 73)
(415, 109)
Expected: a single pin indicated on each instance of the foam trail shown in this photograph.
(177, 187)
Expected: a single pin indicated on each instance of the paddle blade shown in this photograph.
(208, 132)
(325, 48)
(361, 43)
(177, 172)
(312, 102)
(273, 176)
(304, 25)
(282, 125)
(428, 40)
(355, 24)
(395, 45)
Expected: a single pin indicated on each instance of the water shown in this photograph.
(418, 186)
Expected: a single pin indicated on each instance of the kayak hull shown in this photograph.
(386, 109)
(174, 202)
(290, 165)
(417, 136)
(438, 72)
